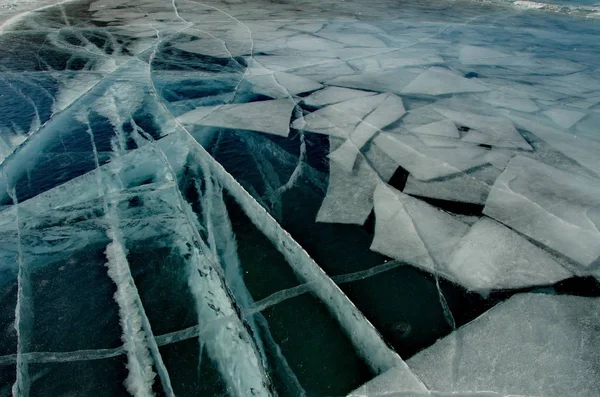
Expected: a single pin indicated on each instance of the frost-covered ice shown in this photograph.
(532, 344)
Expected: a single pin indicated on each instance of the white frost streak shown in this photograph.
(139, 362)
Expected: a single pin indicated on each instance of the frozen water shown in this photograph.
(427, 163)
(492, 256)
(441, 128)
(189, 189)
(553, 207)
(440, 81)
(532, 344)
(246, 116)
(331, 95)
(412, 231)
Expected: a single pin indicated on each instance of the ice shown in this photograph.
(340, 119)
(397, 59)
(142, 139)
(564, 117)
(333, 95)
(553, 207)
(471, 187)
(349, 196)
(362, 334)
(426, 163)
(532, 344)
(355, 40)
(440, 81)
(282, 85)
(245, 116)
(441, 128)
(492, 256)
(413, 231)
(494, 131)
(389, 110)
(473, 55)
(388, 80)
(515, 101)
(581, 149)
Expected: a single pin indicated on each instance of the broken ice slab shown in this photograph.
(341, 119)
(382, 81)
(470, 187)
(389, 110)
(412, 231)
(349, 196)
(282, 85)
(493, 131)
(531, 344)
(444, 128)
(492, 256)
(579, 148)
(440, 81)
(427, 163)
(332, 95)
(479, 55)
(396, 59)
(271, 117)
(564, 118)
(558, 209)
(93, 377)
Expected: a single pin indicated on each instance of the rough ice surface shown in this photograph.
(532, 344)
(258, 198)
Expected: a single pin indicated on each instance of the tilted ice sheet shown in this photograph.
(581, 149)
(389, 110)
(494, 131)
(426, 163)
(282, 85)
(412, 231)
(332, 95)
(558, 209)
(272, 117)
(349, 196)
(531, 344)
(492, 256)
(440, 81)
(470, 187)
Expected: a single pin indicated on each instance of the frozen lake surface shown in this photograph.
(272, 198)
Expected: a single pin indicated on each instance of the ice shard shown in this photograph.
(503, 350)
(566, 221)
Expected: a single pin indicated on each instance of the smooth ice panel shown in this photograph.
(410, 230)
(558, 209)
(272, 117)
(426, 163)
(440, 81)
(492, 256)
(532, 344)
